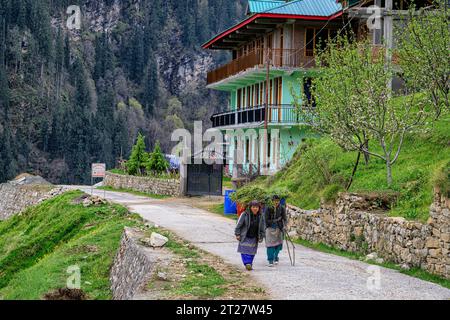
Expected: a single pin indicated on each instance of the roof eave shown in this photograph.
(250, 19)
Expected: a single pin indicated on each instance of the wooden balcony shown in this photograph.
(278, 115)
(278, 58)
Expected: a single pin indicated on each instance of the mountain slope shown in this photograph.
(72, 97)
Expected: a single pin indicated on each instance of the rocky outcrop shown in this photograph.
(134, 265)
(352, 227)
(165, 187)
(25, 191)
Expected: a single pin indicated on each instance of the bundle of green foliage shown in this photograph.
(251, 192)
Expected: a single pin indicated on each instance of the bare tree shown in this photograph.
(354, 103)
(423, 54)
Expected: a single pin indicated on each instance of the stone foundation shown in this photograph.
(165, 187)
(349, 226)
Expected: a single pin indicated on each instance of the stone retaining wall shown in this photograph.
(16, 198)
(350, 227)
(134, 266)
(165, 187)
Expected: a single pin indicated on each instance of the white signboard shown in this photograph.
(98, 170)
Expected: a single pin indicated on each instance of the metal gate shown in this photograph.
(204, 179)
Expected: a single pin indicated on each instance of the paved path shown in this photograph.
(316, 275)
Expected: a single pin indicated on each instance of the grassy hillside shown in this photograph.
(37, 247)
(321, 169)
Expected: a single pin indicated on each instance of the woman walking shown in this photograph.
(249, 232)
(275, 220)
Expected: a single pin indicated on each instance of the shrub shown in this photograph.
(331, 192)
(441, 178)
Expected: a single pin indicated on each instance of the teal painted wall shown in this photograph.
(291, 82)
(233, 100)
(290, 139)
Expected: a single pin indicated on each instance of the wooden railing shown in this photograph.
(278, 58)
(278, 114)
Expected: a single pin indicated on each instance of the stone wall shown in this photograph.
(350, 226)
(134, 265)
(15, 198)
(167, 187)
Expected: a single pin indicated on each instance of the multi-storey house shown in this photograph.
(273, 59)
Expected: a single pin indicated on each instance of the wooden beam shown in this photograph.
(238, 36)
(219, 47)
(247, 31)
(270, 21)
(234, 41)
(260, 27)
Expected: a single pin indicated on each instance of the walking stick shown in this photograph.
(288, 239)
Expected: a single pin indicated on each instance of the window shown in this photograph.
(261, 94)
(247, 150)
(278, 90)
(317, 37)
(321, 38)
(270, 41)
(307, 84)
(310, 43)
(239, 99)
(271, 92)
(252, 98)
(280, 58)
(257, 94)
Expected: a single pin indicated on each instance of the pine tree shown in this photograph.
(4, 86)
(150, 85)
(158, 163)
(139, 159)
(67, 52)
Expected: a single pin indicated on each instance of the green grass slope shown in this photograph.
(38, 247)
(321, 169)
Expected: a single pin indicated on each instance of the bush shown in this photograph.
(441, 178)
(330, 193)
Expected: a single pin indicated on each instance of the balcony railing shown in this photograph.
(278, 58)
(278, 114)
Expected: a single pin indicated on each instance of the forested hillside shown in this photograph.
(72, 97)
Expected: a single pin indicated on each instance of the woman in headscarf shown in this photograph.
(249, 232)
(276, 221)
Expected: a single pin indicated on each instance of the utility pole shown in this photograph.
(266, 118)
(388, 24)
(266, 122)
(388, 33)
